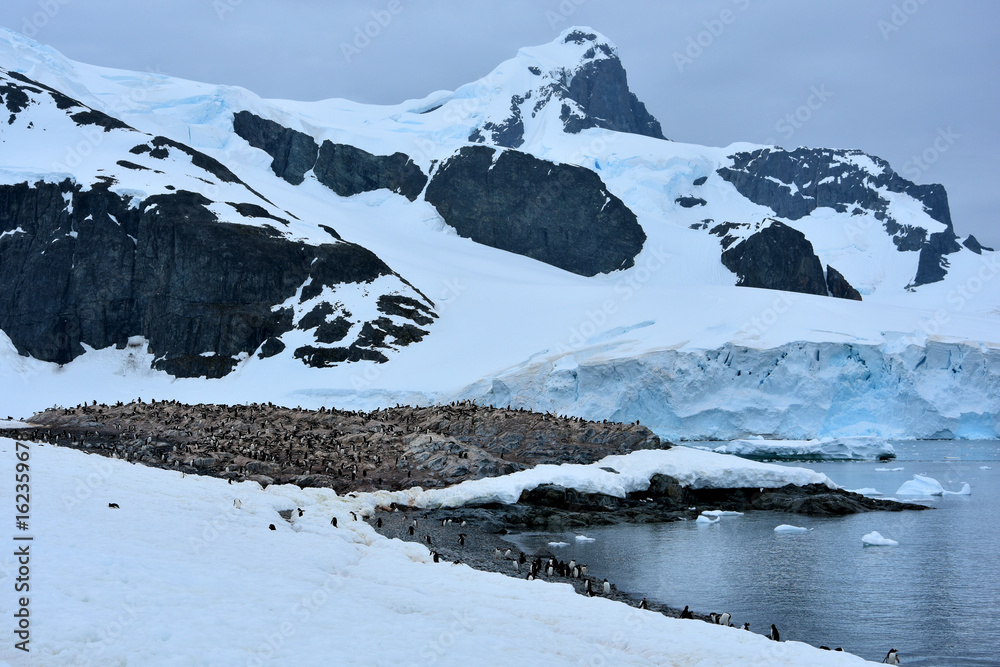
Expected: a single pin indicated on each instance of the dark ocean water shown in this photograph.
(935, 597)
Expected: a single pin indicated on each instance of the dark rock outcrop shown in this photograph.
(600, 90)
(294, 153)
(795, 183)
(838, 285)
(94, 267)
(777, 257)
(345, 169)
(973, 244)
(559, 214)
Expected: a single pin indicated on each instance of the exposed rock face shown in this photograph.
(558, 214)
(777, 257)
(795, 183)
(294, 152)
(838, 285)
(600, 90)
(345, 169)
(973, 244)
(93, 267)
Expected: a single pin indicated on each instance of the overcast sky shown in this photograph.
(901, 79)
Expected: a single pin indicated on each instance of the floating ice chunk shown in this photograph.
(859, 448)
(888, 469)
(867, 491)
(785, 528)
(702, 519)
(874, 539)
(721, 513)
(985, 468)
(558, 544)
(584, 538)
(922, 485)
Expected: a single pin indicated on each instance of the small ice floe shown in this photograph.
(786, 528)
(985, 468)
(584, 538)
(875, 539)
(867, 491)
(888, 469)
(704, 520)
(721, 513)
(921, 485)
(558, 544)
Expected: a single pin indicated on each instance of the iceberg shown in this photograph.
(875, 539)
(584, 538)
(785, 528)
(721, 513)
(704, 520)
(921, 485)
(558, 544)
(867, 491)
(861, 448)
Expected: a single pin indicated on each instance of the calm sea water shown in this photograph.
(935, 597)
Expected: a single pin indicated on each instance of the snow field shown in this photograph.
(179, 576)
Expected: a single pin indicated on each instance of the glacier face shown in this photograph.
(795, 391)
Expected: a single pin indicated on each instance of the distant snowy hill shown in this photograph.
(529, 239)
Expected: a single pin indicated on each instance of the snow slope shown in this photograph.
(670, 341)
(179, 576)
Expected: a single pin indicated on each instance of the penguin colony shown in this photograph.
(391, 448)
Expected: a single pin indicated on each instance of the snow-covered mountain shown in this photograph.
(530, 238)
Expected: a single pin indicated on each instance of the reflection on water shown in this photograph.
(935, 597)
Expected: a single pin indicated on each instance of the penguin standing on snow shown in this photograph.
(643, 605)
(746, 626)
(774, 634)
(607, 587)
(686, 613)
(724, 619)
(892, 657)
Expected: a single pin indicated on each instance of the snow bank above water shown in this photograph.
(179, 576)
(694, 468)
(859, 448)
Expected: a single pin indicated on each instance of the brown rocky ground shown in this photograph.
(392, 448)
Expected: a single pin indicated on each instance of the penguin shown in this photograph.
(892, 657)
(746, 626)
(271, 526)
(522, 559)
(461, 539)
(301, 511)
(506, 554)
(686, 613)
(607, 587)
(496, 554)
(774, 634)
(643, 605)
(583, 570)
(428, 538)
(114, 506)
(237, 504)
(713, 618)
(378, 524)
(530, 577)
(588, 590)
(437, 557)
(410, 530)
(354, 515)
(724, 619)
(517, 566)
(333, 522)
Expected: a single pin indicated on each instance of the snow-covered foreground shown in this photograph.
(179, 576)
